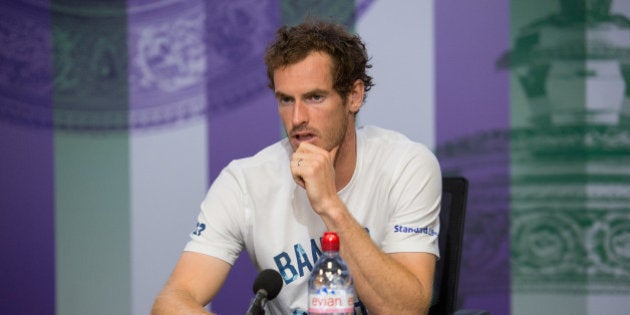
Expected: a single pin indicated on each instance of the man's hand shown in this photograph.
(313, 169)
(406, 287)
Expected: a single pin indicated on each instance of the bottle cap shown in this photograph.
(330, 242)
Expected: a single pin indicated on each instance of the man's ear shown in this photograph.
(356, 96)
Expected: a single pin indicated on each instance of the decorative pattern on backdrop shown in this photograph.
(167, 62)
(567, 203)
(570, 147)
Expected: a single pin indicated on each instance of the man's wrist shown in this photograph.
(334, 213)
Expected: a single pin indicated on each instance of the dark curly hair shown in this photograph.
(347, 51)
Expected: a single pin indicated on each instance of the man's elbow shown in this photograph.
(176, 301)
(160, 305)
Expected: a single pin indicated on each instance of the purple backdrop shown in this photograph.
(242, 117)
(472, 115)
(27, 220)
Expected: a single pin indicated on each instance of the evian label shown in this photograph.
(333, 301)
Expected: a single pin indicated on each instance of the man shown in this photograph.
(378, 190)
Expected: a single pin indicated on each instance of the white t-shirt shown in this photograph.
(255, 205)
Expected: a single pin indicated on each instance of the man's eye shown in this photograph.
(285, 100)
(317, 98)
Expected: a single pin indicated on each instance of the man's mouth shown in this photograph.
(303, 136)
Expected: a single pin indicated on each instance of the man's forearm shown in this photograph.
(384, 284)
(173, 301)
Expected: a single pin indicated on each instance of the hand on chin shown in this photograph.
(313, 169)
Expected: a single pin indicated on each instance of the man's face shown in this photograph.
(310, 109)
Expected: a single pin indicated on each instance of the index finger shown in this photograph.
(307, 147)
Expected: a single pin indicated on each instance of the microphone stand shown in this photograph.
(257, 306)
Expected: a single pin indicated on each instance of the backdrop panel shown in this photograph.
(27, 236)
(402, 56)
(472, 119)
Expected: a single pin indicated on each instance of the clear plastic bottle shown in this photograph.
(330, 287)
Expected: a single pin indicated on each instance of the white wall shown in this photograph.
(399, 38)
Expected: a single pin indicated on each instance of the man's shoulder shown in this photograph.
(275, 154)
(375, 132)
(381, 138)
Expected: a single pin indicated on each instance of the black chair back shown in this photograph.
(452, 218)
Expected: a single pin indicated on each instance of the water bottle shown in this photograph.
(330, 286)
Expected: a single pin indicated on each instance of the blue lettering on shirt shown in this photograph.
(415, 230)
(291, 272)
(288, 272)
(302, 259)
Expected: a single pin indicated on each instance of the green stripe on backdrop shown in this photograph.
(539, 281)
(569, 197)
(92, 190)
(342, 11)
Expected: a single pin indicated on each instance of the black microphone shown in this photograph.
(266, 287)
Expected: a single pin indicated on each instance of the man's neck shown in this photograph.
(346, 161)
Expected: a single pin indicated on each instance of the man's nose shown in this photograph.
(300, 113)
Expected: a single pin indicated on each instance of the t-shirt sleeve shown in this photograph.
(415, 198)
(218, 232)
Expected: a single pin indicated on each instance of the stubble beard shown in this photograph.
(332, 139)
(337, 135)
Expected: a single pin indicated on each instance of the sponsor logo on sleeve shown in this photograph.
(414, 230)
(199, 228)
